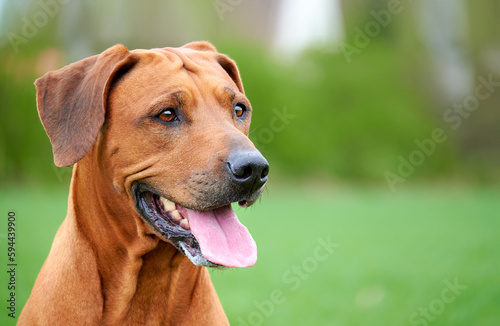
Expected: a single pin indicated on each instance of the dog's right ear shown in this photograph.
(71, 102)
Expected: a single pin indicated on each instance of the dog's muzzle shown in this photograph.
(209, 233)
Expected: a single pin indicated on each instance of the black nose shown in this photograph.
(249, 169)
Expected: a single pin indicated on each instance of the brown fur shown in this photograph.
(106, 265)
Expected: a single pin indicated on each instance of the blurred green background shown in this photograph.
(380, 120)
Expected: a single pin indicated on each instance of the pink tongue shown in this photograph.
(223, 239)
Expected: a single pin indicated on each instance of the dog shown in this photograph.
(159, 143)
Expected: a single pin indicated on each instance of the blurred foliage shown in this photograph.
(344, 120)
(350, 121)
(25, 151)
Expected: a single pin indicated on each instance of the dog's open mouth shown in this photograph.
(213, 238)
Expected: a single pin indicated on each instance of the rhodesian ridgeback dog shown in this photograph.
(158, 139)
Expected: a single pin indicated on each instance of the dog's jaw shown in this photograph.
(212, 238)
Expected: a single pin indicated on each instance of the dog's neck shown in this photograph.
(141, 276)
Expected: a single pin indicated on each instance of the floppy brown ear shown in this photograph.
(71, 103)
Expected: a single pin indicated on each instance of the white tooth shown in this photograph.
(185, 224)
(176, 216)
(167, 204)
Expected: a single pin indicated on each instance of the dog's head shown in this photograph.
(168, 128)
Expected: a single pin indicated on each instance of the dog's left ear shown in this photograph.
(232, 70)
(71, 102)
(226, 63)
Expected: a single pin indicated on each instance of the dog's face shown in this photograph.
(189, 120)
(174, 138)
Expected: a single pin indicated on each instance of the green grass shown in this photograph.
(394, 253)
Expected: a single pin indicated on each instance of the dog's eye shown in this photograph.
(239, 110)
(167, 115)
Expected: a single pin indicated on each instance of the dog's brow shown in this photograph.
(229, 91)
(177, 98)
(180, 97)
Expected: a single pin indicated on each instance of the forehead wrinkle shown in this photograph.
(187, 62)
(200, 75)
(173, 58)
